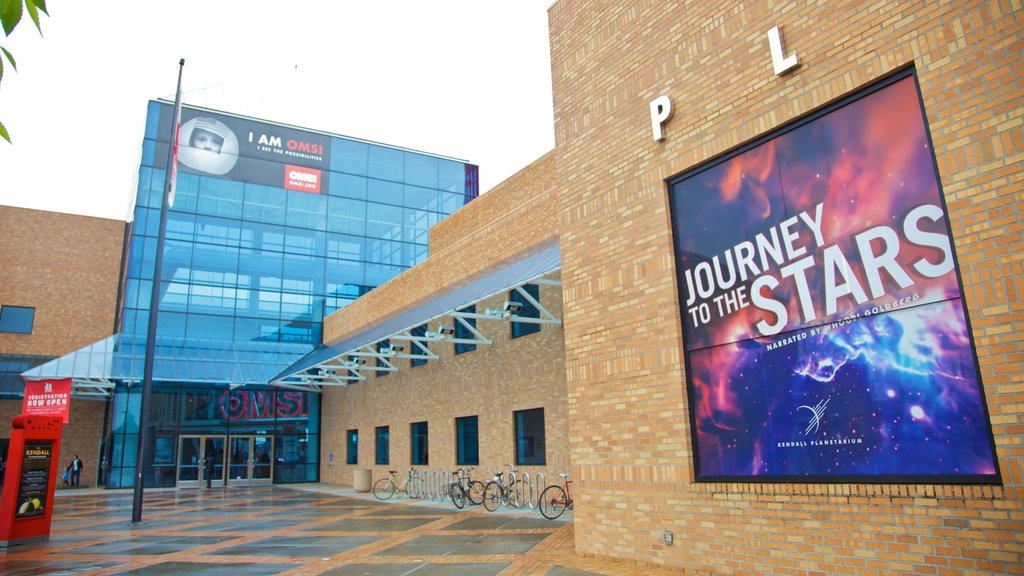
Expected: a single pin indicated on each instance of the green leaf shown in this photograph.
(10, 57)
(10, 14)
(33, 13)
(3, 132)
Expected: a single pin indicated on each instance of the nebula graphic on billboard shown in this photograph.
(824, 329)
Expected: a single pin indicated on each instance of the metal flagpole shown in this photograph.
(154, 304)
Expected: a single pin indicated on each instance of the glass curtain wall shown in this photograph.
(271, 229)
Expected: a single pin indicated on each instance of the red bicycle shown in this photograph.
(555, 499)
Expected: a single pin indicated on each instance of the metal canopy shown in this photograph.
(373, 349)
(95, 369)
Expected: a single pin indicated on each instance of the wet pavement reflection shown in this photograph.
(298, 530)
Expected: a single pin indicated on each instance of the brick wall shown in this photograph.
(491, 382)
(66, 267)
(628, 420)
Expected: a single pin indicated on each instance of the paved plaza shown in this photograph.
(299, 530)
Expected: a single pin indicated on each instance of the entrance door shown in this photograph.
(251, 460)
(192, 451)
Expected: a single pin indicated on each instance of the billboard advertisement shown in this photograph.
(823, 319)
(248, 150)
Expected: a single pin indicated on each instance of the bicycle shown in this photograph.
(465, 488)
(385, 488)
(554, 499)
(510, 492)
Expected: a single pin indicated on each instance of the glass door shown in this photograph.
(251, 460)
(241, 448)
(192, 453)
(214, 447)
(263, 459)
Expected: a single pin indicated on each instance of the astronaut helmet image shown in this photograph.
(207, 145)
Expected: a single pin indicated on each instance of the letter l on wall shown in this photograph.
(781, 63)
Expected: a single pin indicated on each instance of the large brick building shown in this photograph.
(648, 97)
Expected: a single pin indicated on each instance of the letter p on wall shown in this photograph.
(661, 112)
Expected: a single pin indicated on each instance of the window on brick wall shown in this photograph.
(352, 455)
(419, 331)
(530, 446)
(382, 448)
(381, 363)
(467, 441)
(418, 436)
(462, 332)
(16, 319)
(528, 310)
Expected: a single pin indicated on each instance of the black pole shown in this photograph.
(154, 305)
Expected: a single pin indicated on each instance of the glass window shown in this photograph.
(382, 445)
(16, 319)
(385, 163)
(421, 331)
(186, 191)
(348, 156)
(462, 332)
(264, 204)
(451, 202)
(307, 210)
(383, 221)
(386, 252)
(303, 241)
(418, 434)
(418, 223)
(384, 192)
(346, 215)
(420, 170)
(381, 362)
(423, 198)
(345, 247)
(219, 197)
(210, 230)
(467, 441)
(451, 176)
(530, 449)
(352, 454)
(347, 185)
(413, 254)
(527, 310)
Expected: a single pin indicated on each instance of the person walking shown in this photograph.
(208, 467)
(76, 471)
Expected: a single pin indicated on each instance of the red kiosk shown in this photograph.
(26, 507)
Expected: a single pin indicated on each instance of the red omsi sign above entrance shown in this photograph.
(47, 398)
(238, 405)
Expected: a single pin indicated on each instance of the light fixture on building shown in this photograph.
(447, 330)
(513, 307)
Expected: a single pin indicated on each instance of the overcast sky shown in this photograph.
(465, 79)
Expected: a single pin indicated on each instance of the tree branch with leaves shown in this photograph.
(10, 15)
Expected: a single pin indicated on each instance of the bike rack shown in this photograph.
(536, 489)
(529, 491)
(446, 486)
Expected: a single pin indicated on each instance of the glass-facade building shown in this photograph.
(272, 227)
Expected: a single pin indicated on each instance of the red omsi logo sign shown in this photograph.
(301, 179)
(253, 405)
